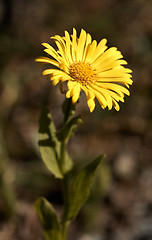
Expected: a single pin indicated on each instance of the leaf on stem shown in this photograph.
(49, 220)
(48, 143)
(81, 188)
(68, 129)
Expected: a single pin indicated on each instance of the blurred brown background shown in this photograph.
(120, 207)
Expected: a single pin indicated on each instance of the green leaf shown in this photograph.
(81, 188)
(48, 143)
(68, 164)
(68, 129)
(50, 146)
(49, 220)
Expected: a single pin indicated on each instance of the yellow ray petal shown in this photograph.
(61, 78)
(81, 44)
(88, 42)
(55, 81)
(127, 70)
(123, 80)
(116, 88)
(99, 96)
(52, 53)
(110, 65)
(107, 54)
(90, 51)
(76, 92)
(113, 94)
(55, 72)
(68, 46)
(101, 47)
(70, 85)
(46, 45)
(50, 71)
(116, 105)
(115, 73)
(47, 60)
(74, 45)
(59, 39)
(69, 94)
(90, 98)
(91, 104)
(105, 94)
(61, 48)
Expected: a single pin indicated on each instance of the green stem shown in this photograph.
(65, 223)
(68, 110)
(64, 230)
(62, 154)
(65, 187)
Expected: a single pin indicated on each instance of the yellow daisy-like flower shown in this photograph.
(90, 67)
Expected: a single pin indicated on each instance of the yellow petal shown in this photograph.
(110, 64)
(76, 93)
(123, 80)
(52, 53)
(61, 48)
(69, 94)
(91, 104)
(68, 46)
(105, 94)
(127, 70)
(61, 78)
(99, 50)
(115, 96)
(115, 87)
(99, 96)
(57, 73)
(88, 42)
(71, 84)
(115, 73)
(90, 98)
(47, 60)
(116, 105)
(55, 81)
(46, 45)
(107, 54)
(74, 45)
(90, 51)
(81, 44)
(50, 71)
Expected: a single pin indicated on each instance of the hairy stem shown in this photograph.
(68, 110)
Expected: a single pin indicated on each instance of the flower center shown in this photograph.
(82, 73)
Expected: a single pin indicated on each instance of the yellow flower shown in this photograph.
(90, 67)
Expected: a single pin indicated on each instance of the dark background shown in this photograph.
(120, 206)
